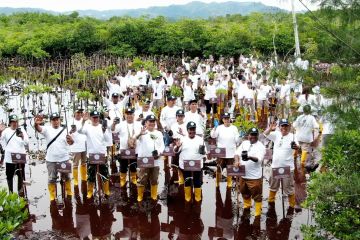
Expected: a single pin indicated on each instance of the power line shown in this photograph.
(327, 30)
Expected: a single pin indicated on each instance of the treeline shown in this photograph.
(39, 36)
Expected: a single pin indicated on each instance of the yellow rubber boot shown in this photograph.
(122, 179)
(154, 189)
(52, 190)
(218, 178)
(187, 191)
(292, 200)
(229, 182)
(68, 188)
(83, 172)
(76, 176)
(180, 177)
(303, 158)
(133, 177)
(90, 190)
(197, 192)
(140, 191)
(247, 202)
(272, 196)
(258, 206)
(107, 188)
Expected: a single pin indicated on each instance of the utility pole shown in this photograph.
(296, 33)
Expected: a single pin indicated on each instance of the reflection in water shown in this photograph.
(121, 217)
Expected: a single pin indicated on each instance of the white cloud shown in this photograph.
(69, 5)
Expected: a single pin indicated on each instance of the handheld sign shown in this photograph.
(281, 172)
(169, 151)
(63, 167)
(116, 138)
(128, 154)
(236, 171)
(97, 158)
(217, 152)
(145, 162)
(18, 158)
(192, 165)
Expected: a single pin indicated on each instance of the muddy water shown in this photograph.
(219, 216)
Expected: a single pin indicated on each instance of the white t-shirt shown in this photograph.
(142, 75)
(168, 116)
(283, 153)
(210, 91)
(197, 119)
(226, 137)
(190, 150)
(12, 143)
(188, 93)
(179, 130)
(96, 139)
(125, 130)
(79, 144)
(252, 169)
(304, 125)
(263, 91)
(158, 89)
(114, 88)
(145, 145)
(59, 150)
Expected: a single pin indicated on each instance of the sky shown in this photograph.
(70, 5)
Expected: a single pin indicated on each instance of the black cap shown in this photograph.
(150, 118)
(193, 101)
(284, 121)
(253, 131)
(115, 94)
(129, 110)
(190, 125)
(180, 112)
(226, 115)
(94, 113)
(170, 98)
(79, 110)
(13, 118)
(54, 115)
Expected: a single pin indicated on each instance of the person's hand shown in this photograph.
(236, 160)
(39, 119)
(273, 126)
(143, 131)
(86, 117)
(2, 127)
(177, 142)
(69, 139)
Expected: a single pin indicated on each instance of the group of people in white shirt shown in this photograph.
(141, 137)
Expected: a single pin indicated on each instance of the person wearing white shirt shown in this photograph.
(142, 76)
(15, 140)
(114, 86)
(191, 147)
(210, 93)
(195, 115)
(145, 111)
(150, 144)
(96, 139)
(168, 113)
(251, 154)
(305, 125)
(133, 80)
(78, 149)
(116, 105)
(306, 99)
(227, 136)
(241, 88)
(283, 156)
(158, 88)
(57, 151)
(189, 93)
(127, 131)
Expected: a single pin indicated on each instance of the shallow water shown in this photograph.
(218, 216)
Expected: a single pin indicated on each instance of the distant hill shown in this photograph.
(194, 9)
